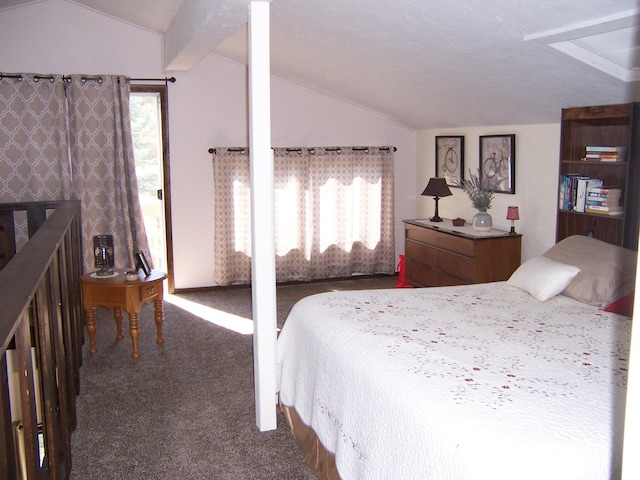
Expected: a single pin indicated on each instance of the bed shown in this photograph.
(519, 379)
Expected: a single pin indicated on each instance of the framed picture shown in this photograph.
(141, 262)
(498, 161)
(450, 158)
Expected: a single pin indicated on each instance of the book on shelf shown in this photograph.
(597, 153)
(567, 193)
(573, 192)
(603, 202)
(601, 191)
(606, 208)
(606, 149)
(603, 198)
(602, 158)
(581, 193)
(611, 213)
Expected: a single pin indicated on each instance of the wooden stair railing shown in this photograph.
(41, 329)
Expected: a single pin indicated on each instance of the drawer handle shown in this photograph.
(150, 290)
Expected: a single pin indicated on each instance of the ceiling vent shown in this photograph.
(610, 44)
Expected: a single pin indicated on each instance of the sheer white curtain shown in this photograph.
(70, 137)
(333, 213)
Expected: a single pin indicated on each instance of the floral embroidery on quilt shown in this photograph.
(485, 347)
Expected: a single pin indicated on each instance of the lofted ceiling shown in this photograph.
(424, 64)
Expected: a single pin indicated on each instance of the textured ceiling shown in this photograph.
(426, 64)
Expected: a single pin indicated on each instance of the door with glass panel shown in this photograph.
(150, 141)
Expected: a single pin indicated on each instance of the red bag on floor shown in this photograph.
(402, 283)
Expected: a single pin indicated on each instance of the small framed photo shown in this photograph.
(498, 161)
(141, 262)
(450, 159)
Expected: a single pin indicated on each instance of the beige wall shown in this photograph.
(537, 154)
(207, 107)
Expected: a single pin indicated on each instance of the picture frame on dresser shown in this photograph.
(498, 161)
(450, 158)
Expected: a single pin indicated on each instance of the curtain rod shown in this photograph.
(165, 79)
(87, 78)
(311, 150)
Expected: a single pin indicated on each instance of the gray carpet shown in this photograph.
(185, 409)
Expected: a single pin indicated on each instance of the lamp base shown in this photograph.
(105, 272)
(435, 219)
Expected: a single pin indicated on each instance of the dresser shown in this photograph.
(439, 254)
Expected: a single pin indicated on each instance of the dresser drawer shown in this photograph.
(445, 241)
(459, 266)
(422, 276)
(449, 263)
(421, 253)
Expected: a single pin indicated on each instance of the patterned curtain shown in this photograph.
(333, 213)
(104, 176)
(33, 139)
(70, 137)
(232, 228)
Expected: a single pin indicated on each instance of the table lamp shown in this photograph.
(437, 188)
(513, 215)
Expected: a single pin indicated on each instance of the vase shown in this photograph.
(482, 221)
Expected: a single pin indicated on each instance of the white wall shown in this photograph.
(207, 107)
(300, 117)
(56, 36)
(537, 156)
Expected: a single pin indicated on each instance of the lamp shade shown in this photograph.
(512, 213)
(437, 187)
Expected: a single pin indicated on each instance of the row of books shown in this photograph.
(595, 153)
(580, 193)
(606, 201)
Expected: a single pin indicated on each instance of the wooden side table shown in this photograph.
(118, 293)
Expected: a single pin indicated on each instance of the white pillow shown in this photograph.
(543, 278)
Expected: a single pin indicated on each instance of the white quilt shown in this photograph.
(473, 382)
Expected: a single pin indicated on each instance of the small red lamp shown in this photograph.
(513, 215)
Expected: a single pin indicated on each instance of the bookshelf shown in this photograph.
(601, 126)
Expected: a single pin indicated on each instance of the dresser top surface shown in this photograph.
(465, 230)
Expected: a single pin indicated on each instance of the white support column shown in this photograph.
(263, 271)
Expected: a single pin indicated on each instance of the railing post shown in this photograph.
(7, 450)
(42, 324)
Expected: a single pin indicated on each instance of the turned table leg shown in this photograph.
(158, 317)
(91, 329)
(134, 331)
(117, 314)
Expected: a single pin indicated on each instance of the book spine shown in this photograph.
(581, 194)
(605, 191)
(603, 203)
(605, 149)
(602, 208)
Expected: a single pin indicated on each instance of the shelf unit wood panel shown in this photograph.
(606, 125)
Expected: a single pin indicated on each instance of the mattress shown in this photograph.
(467, 382)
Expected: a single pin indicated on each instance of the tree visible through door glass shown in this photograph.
(147, 143)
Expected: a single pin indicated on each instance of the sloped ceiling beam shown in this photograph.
(199, 27)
